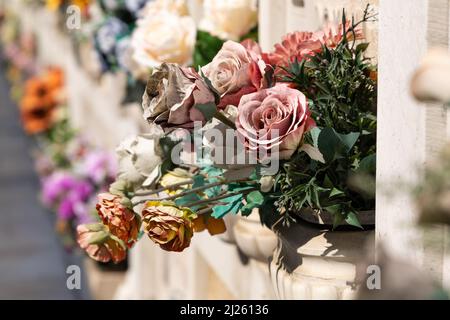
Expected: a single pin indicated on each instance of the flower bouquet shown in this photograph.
(279, 133)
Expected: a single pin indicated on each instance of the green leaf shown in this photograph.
(208, 110)
(352, 219)
(255, 197)
(349, 140)
(336, 192)
(368, 164)
(334, 209)
(329, 144)
(333, 145)
(206, 48)
(362, 47)
(233, 205)
(187, 199)
(199, 181)
(337, 220)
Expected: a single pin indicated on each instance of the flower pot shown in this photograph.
(313, 262)
(253, 239)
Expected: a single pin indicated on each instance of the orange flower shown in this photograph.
(121, 221)
(36, 115)
(54, 78)
(40, 99)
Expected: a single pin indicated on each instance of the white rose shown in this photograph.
(164, 37)
(139, 157)
(178, 7)
(229, 19)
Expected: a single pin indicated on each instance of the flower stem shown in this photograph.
(224, 196)
(191, 191)
(220, 116)
(173, 186)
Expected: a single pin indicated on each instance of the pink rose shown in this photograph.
(237, 69)
(171, 94)
(279, 108)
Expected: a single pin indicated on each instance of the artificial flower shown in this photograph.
(273, 119)
(152, 8)
(168, 225)
(139, 157)
(171, 95)
(64, 192)
(298, 46)
(178, 175)
(229, 19)
(78, 194)
(120, 220)
(99, 244)
(163, 37)
(36, 115)
(42, 94)
(107, 35)
(295, 46)
(98, 166)
(236, 70)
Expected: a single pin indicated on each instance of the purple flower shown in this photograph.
(100, 167)
(55, 186)
(80, 192)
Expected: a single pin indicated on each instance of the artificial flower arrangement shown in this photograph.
(278, 133)
(135, 36)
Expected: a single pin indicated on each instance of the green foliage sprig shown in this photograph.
(342, 91)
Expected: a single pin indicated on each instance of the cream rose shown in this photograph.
(163, 36)
(236, 70)
(229, 19)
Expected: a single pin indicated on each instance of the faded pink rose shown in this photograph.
(300, 45)
(274, 118)
(237, 69)
(171, 94)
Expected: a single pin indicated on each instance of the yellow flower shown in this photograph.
(54, 4)
(178, 175)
